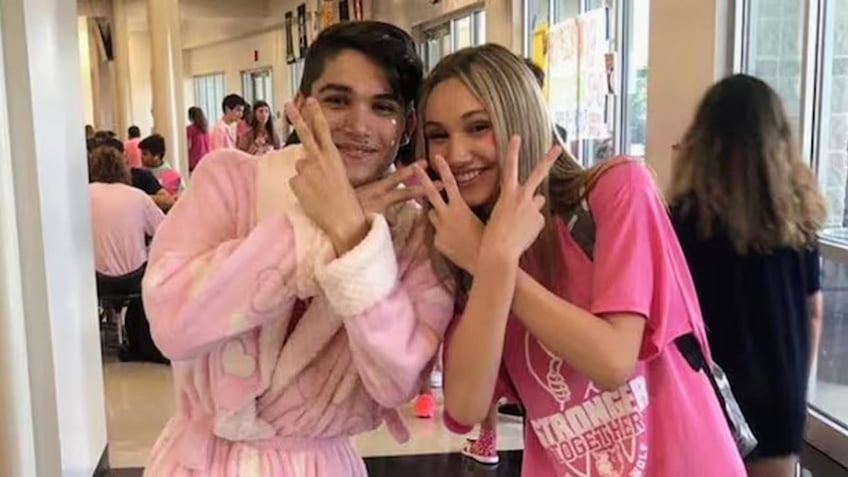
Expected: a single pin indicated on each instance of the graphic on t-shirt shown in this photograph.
(554, 381)
(589, 433)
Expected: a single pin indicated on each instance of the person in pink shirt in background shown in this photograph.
(122, 217)
(573, 289)
(294, 291)
(225, 133)
(197, 137)
(131, 150)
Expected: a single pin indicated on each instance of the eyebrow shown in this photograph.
(340, 88)
(464, 117)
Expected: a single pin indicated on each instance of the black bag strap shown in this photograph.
(690, 348)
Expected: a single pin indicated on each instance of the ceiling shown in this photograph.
(203, 21)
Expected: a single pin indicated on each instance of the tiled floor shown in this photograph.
(139, 402)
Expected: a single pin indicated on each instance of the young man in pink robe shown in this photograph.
(294, 292)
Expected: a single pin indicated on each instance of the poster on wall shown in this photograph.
(539, 51)
(593, 80)
(303, 41)
(563, 64)
(290, 56)
(326, 13)
(344, 11)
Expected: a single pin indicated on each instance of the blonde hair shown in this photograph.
(740, 171)
(511, 96)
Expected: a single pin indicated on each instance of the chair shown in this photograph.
(115, 295)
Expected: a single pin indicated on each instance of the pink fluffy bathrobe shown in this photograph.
(260, 390)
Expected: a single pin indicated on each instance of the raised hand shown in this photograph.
(321, 184)
(517, 218)
(458, 230)
(378, 196)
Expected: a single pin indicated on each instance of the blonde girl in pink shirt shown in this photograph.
(582, 336)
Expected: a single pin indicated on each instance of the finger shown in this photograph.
(430, 190)
(304, 132)
(407, 193)
(300, 165)
(539, 202)
(510, 167)
(542, 169)
(396, 178)
(447, 179)
(320, 126)
(417, 239)
(433, 217)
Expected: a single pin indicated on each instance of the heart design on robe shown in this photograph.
(236, 361)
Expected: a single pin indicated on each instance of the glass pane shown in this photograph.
(480, 27)
(464, 36)
(447, 44)
(636, 107)
(537, 15)
(565, 9)
(833, 126)
(775, 49)
(827, 393)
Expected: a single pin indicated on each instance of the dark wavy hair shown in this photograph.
(741, 172)
(106, 164)
(268, 126)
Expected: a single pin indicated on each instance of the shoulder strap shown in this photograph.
(580, 222)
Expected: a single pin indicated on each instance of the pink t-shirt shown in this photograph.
(121, 217)
(133, 152)
(198, 145)
(224, 136)
(665, 420)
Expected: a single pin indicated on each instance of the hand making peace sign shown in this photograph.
(321, 184)
(514, 224)
(517, 218)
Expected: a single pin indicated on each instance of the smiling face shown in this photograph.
(366, 120)
(458, 128)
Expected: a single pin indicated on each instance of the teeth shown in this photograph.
(467, 176)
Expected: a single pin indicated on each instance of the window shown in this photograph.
(437, 44)
(258, 85)
(464, 37)
(832, 120)
(773, 49)
(635, 84)
(578, 87)
(801, 50)
(443, 39)
(829, 388)
(295, 75)
(209, 94)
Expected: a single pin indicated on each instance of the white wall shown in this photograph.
(142, 94)
(85, 71)
(686, 55)
(234, 57)
(504, 18)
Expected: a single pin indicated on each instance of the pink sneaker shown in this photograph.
(483, 450)
(425, 406)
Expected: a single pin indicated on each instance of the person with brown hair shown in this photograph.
(261, 138)
(747, 211)
(122, 217)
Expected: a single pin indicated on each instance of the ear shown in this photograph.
(409, 130)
